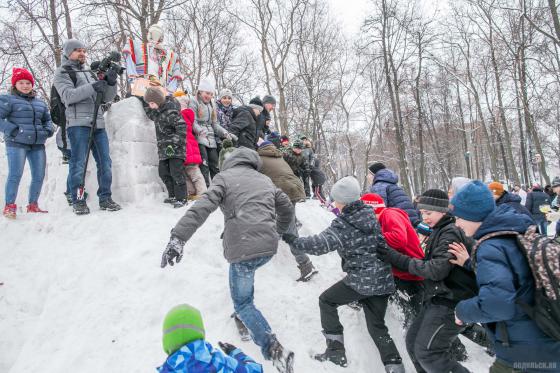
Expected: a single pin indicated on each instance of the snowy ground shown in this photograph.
(86, 294)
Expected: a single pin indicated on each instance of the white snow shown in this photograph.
(86, 294)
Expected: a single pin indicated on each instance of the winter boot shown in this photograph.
(109, 205)
(170, 200)
(356, 306)
(241, 328)
(335, 352)
(10, 211)
(68, 198)
(458, 350)
(80, 207)
(34, 207)
(180, 203)
(394, 368)
(307, 271)
(282, 359)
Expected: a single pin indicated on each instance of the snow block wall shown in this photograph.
(133, 151)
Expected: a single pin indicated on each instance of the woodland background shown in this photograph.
(471, 91)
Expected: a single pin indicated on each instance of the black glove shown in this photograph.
(111, 77)
(382, 251)
(99, 86)
(226, 347)
(288, 238)
(397, 260)
(173, 251)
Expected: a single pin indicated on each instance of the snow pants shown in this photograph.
(209, 166)
(430, 337)
(172, 174)
(305, 177)
(242, 290)
(374, 308)
(195, 180)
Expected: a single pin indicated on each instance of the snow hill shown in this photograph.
(86, 294)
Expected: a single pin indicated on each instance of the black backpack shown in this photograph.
(58, 110)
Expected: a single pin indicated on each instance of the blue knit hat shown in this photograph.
(473, 202)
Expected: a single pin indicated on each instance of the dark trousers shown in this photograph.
(209, 166)
(429, 339)
(305, 177)
(172, 173)
(408, 299)
(374, 308)
(318, 191)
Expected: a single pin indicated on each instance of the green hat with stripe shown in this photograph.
(182, 325)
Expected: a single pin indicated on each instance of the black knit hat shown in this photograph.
(256, 101)
(434, 200)
(374, 167)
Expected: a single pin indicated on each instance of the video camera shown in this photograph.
(109, 62)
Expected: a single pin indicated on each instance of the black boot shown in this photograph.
(306, 271)
(80, 207)
(334, 353)
(109, 205)
(282, 359)
(170, 200)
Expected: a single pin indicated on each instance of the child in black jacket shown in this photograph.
(432, 333)
(171, 135)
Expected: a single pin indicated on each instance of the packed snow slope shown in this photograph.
(86, 294)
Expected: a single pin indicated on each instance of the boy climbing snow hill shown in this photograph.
(171, 133)
(430, 337)
(183, 341)
(356, 236)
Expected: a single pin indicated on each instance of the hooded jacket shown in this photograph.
(205, 127)
(24, 119)
(275, 167)
(193, 151)
(400, 236)
(252, 207)
(385, 184)
(515, 202)
(80, 99)
(200, 357)
(444, 283)
(171, 130)
(244, 126)
(355, 235)
(503, 275)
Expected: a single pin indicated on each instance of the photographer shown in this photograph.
(79, 99)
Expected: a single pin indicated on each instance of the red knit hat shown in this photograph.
(375, 201)
(19, 73)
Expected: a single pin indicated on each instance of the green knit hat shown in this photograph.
(182, 325)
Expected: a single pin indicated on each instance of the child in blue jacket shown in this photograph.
(183, 341)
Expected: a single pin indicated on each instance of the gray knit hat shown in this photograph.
(70, 45)
(268, 99)
(346, 190)
(154, 94)
(225, 92)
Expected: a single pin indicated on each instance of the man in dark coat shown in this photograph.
(385, 184)
(430, 337)
(505, 280)
(296, 160)
(268, 103)
(282, 176)
(244, 125)
(535, 200)
(356, 236)
(255, 212)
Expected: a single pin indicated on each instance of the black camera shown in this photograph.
(109, 62)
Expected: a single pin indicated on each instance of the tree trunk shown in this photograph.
(56, 38)
(68, 19)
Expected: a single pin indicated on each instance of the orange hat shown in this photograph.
(375, 201)
(496, 188)
(179, 93)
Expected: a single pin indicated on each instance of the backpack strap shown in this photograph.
(487, 237)
(72, 74)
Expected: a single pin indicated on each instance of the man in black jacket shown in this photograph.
(244, 125)
(535, 200)
(432, 333)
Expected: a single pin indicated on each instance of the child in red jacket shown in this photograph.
(195, 180)
(400, 236)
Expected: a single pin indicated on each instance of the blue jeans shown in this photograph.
(79, 137)
(241, 287)
(16, 163)
(67, 153)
